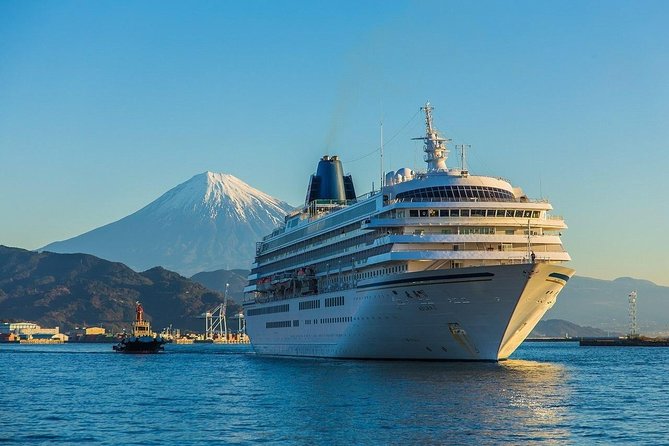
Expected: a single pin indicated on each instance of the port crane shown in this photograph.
(215, 321)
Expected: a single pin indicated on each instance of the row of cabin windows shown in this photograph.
(269, 310)
(296, 323)
(352, 214)
(325, 265)
(278, 324)
(325, 320)
(381, 272)
(479, 230)
(507, 213)
(334, 301)
(306, 253)
(475, 230)
(310, 304)
(313, 241)
(336, 320)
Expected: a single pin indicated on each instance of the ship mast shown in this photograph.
(383, 178)
(434, 145)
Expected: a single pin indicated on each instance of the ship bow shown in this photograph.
(544, 283)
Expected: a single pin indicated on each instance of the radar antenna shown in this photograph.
(463, 149)
(434, 146)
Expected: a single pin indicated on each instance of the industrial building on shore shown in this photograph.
(30, 333)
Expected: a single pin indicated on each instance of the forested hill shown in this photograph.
(68, 290)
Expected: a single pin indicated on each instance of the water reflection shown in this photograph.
(220, 395)
(417, 402)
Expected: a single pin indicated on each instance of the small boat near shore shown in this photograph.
(142, 339)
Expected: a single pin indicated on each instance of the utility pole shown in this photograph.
(634, 330)
(225, 308)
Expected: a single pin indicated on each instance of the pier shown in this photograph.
(640, 341)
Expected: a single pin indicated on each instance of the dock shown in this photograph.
(624, 342)
(41, 341)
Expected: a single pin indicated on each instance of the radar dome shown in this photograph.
(403, 174)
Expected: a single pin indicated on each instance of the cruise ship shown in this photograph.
(436, 265)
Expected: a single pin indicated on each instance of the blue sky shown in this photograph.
(106, 105)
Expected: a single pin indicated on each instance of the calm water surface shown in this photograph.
(550, 393)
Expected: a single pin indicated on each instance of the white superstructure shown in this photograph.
(436, 265)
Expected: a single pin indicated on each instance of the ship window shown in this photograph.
(459, 193)
(509, 213)
(490, 213)
(277, 324)
(310, 305)
(268, 310)
(423, 212)
(519, 214)
(535, 214)
(500, 212)
(478, 213)
(434, 213)
(464, 212)
(455, 212)
(528, 214)
(413, 213)
(443, 212)
(334, 301)
(509, 232)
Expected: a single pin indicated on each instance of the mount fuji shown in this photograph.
(210, 222)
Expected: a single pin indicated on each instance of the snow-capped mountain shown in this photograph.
(211, 221)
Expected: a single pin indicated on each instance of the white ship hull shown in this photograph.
(440, 265)
(476, 313)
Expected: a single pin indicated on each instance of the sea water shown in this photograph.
(547, 393)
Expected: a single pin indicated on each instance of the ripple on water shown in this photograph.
(547, 394)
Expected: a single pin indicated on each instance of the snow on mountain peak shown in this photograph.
(215, 194)
(209, 222)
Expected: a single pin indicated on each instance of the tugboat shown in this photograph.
(142, 339)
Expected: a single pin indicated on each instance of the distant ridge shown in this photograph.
(558, 328)
(209, 222)
(216, 280)
(79, 289)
